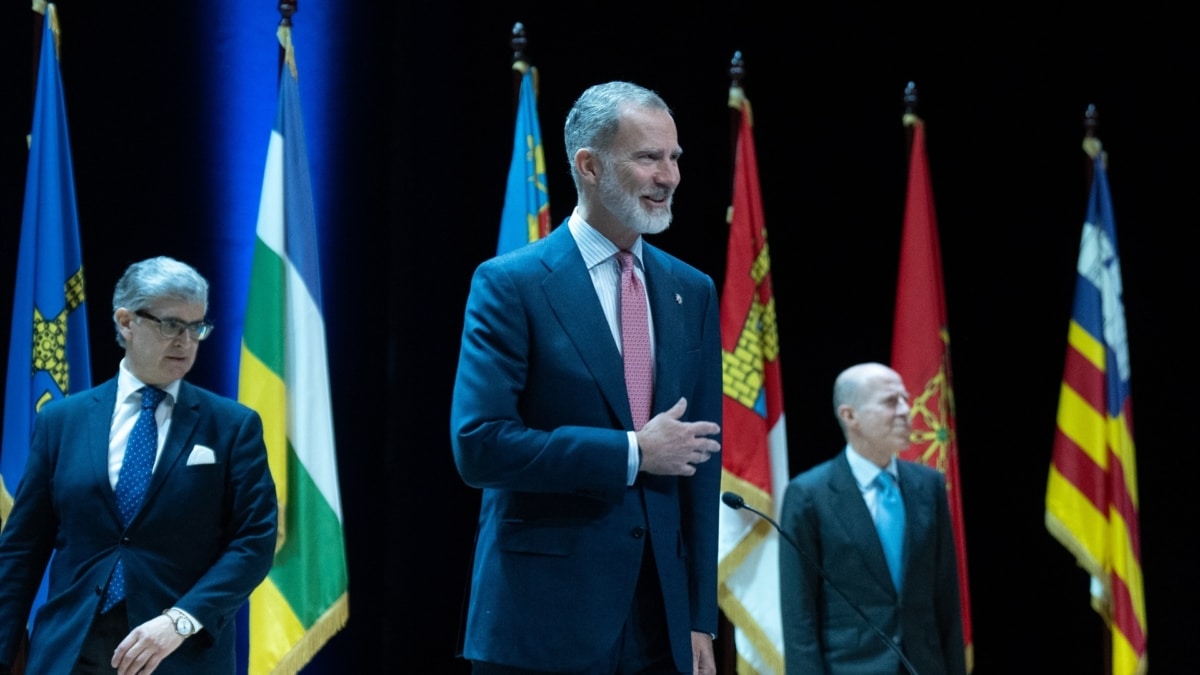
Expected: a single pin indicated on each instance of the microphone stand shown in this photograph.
(736, 502)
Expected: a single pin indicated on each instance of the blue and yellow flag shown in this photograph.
(1091, 495)
(526, 215)
(48, 345)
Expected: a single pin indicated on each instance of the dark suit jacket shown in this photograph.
(539, 421)
(824, 511)
(203, 539)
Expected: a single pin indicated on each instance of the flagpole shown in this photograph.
(911, 102)
(1092, 147)
(39, 15)
(1091, 142)
(287, 8)
(520, 63)
(737, 71)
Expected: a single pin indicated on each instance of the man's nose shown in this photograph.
(667, 174)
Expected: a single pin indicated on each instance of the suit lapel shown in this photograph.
(918, 516)
(667, 309)
(572, 296)
(854, 517)
(184, 417)
(99, 424)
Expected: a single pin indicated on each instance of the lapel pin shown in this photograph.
(678, 299)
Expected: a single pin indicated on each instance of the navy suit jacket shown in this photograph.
(202, 541)
(824, 511)
(539, 421)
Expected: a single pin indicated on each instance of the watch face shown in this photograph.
(184, 626)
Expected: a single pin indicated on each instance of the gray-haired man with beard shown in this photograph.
(587, 405)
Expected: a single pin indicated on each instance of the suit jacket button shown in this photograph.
(124, 540)
(638, 532)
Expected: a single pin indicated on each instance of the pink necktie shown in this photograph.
(635, 342)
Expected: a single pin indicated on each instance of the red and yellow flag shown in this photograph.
(754, 437)
(921, 351)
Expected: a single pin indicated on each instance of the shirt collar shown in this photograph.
(595, 247)
(128, 384)
(865, 471)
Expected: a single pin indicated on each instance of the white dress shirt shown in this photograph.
(600, 256)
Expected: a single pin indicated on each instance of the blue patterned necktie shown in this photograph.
(133, 479)
(889, 522)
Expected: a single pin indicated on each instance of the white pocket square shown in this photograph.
(201, 455)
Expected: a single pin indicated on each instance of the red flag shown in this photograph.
(754, 452)
(921, 352)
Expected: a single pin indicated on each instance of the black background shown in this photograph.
(429, 107)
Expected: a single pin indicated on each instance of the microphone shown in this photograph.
(735, 501)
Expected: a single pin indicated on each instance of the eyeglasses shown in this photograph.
(173, 328)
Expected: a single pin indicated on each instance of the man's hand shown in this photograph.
(703, 662)
(674, 448)
(143, 649)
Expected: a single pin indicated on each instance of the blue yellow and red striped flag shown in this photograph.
(526, 213)
(284, 375)
(1091, 494)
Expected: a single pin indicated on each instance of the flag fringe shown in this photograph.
(333, 620)
(6, 504)
(736, 556)
(1065, 536)
(753, 494)
(747, 624)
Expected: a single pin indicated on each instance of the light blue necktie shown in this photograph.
(889, 522)
(133, 479)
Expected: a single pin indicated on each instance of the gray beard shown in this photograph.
(627, 207)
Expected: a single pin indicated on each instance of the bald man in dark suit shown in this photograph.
(834, 511)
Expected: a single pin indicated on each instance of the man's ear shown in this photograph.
(846, 414)
(123, 317)
(587, 166)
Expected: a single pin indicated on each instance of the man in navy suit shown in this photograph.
(148, 581)
(832, 511)
(596, 549)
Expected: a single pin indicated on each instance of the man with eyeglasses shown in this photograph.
(154, 497)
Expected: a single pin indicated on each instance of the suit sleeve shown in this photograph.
(494, 444)
(28, 539)
(251, 512)
(800, 585)
(701, 491)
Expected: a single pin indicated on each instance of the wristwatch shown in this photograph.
(183, 625)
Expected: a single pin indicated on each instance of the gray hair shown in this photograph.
(154, 279)
(596, 116)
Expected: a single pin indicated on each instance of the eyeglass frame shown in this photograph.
(197, 330)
